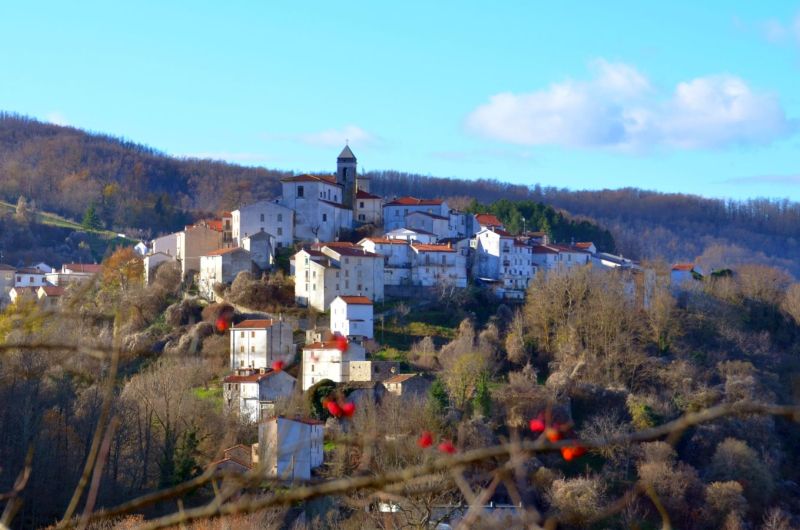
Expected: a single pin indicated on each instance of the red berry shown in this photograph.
(537, 425)
(222, 324)
(552, 434)
(571, 452)
(348, 409)
(277, 365)
(425, 440)
(333, 408)
(447, 447)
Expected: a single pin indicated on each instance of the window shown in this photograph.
(262, 217)
(361, 204)
(300, 191)
(362, 217)
(252, 333)
(347, 284)
(312, 367)
(252, 349)
(241, 348)
(19, 278)
(241, 364)
(280, 217)
(324, 217)
(397, 213)
(241, 334)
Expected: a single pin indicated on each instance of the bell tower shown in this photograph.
(346, 175)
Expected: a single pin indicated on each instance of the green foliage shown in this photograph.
(482, 403)
(91, 221)
(438, 400)
(186, 467)
(315, 396)
(538, 216)
(642, 414)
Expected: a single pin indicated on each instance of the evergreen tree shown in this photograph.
(437, 397)
(91, 221)
(482, 404)
(185, 463)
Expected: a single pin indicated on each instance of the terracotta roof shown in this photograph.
(499, 231)
(488, 219)
(354, 251)
(214, 224)
(542, 249)
(399, 378)
(254, 324)
(4, 267)
(21, 290)
(252, 378)
(413, 201)
(433, 215)
(584, 245)
(83, 267)
(223, 251)
(421, 247)
(683, 267)
(385, 241)
(356, 300)
(52, 290)
(29, 270)
(361, 194)
(325, 179)
(225, 214)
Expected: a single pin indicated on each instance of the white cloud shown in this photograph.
(56, 118)
(337, 137)
(619, 109)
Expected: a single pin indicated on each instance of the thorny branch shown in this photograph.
(393, 478)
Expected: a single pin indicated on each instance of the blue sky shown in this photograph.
(675, 97)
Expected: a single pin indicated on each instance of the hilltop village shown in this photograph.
(348, 250)
(274, 339)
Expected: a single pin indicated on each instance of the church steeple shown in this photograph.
(346, 175)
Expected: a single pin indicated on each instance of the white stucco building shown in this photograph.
(396, 255)
(261, 246)
(289, 449)
(222, 266)
(325, 360)
(259, 343)
(195, 241)
(328, 270)
(367, 208)
(433, 265)
(264, 216)
(316, 200)
(395, 211)
(151, 262)
(499, 256)
(429, 222)
(352, 317)
(167, 244)
(251, 394)
(412, 234)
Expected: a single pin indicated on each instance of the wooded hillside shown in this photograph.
(65, 170)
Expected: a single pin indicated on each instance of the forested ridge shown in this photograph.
(65, 170)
